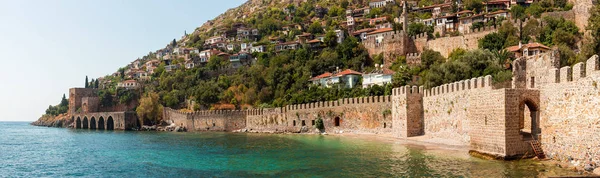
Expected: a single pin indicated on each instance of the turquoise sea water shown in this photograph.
(30, 151)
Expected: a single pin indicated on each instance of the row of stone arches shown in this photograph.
(94, 124)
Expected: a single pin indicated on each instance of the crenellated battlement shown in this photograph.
(463, 85)
(483, 29)
(419, 36)
(209, 112)
(340, 102)
(578, 71)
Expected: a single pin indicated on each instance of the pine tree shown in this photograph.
(97, 84)
(64, 101)
(87, 83)
(92, 84)
(174, 43)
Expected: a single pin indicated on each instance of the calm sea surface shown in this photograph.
(29, 151)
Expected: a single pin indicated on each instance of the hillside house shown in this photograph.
(346, 79)
(497, 14)
(380, 3)
(151, 65)
(358, 13)
(258, 49)
(292, 45)
(215, 40)
(128, 84)
(206, 54)
(379, 35)
(497, 5)
(362, 34)
(530, 49)
(380, 76)
(240, 59)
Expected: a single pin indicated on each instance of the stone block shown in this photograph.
(566, 75)
(488, 81)
(578, 71)
(592, 64)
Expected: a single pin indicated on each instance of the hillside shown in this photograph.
(269, 53)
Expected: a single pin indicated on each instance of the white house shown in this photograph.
(128, 84)
(258, 49)
(381, 77)
(347, 79)
(380, 3)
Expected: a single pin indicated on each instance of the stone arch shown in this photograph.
(101, 123)
(336, 121)
(78, 123)
(85, 123)
(529, 119)
(93, 123)
(110, 123)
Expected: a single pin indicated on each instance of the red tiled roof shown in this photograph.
(358, 32)
(464, 11)
(529, 45)
(435, 5)
(513, 48)
(314, 41)
(497, 12)
(381, 30)
(348, 72)
(537, 45)
(324, 75)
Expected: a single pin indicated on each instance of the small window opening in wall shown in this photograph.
(337, 121)
(303, 123)
(384, 125)
(294, 123)
(313, 122)
(532, 82)
(213, 124)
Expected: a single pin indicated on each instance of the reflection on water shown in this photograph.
(35, 151)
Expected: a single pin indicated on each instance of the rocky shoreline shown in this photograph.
(60, 121)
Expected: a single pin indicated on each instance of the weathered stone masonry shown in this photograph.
(84, 111)
(358, 115)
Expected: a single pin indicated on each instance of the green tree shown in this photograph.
(344, 4)
(87, 84)
(518, 12)
(97, 84)
(493, 42)
(315, 28)
(330, 39)
(150, 108)
(593, 27)
(430, 57)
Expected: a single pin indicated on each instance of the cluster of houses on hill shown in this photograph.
(238, 42)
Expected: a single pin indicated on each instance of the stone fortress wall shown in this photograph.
(86, 113)
(358, 115)
(217, 120)
(397, 44)
(570, 113)
(470, 41)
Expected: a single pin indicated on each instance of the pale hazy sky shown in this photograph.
(49, 46)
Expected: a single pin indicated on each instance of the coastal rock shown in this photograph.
(589, 167)
(180, 129)
(304, 129)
